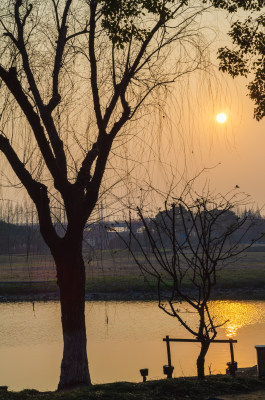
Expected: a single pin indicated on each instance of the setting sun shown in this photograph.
(221, 118)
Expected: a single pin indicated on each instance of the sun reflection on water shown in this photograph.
(237, 314)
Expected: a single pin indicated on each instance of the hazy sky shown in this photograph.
(239, 144)
(185, 136)
(237, 147)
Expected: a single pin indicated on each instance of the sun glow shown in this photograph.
(221, 118)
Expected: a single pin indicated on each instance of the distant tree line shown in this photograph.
(253, 226)
(21, 239)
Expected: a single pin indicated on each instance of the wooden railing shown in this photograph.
(170, 368)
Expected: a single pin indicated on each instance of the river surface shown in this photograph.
(123, 337)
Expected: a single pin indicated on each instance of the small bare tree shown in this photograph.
(182, 249)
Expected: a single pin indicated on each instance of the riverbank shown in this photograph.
(218, 386)
(113, 275)
(48, 291)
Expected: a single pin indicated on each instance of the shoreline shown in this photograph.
(31, 294)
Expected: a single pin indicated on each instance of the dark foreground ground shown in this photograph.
(221, 387)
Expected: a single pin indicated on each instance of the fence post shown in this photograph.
(168, 369)
(232, 351)
(261, 360)
(168, 352)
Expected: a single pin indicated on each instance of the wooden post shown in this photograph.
(231, 366)
(168, 351)
(232, 351)
(168, 369)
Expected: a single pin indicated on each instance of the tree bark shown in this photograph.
(71, 281)
(201, 359)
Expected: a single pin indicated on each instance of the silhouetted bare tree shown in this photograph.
(73, 74)
(185, 246)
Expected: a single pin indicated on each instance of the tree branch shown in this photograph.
(93, 66)
(45, 112)
(36, 190)
(61, 41)
(13, 84)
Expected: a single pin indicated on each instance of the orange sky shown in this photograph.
(236, 148)
(185, 137)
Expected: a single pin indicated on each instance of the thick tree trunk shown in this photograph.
(71, 280)
(201, 360)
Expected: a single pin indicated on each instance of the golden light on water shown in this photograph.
(231, 330)
(238, 314)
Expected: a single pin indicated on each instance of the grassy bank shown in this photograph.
(177, 389)
(115, 276)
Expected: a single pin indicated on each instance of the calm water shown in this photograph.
(122, 338)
